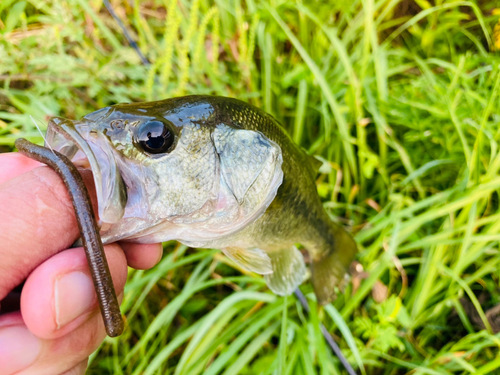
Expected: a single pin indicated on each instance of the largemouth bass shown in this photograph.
(209, 172)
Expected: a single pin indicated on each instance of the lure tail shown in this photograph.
(329, 269)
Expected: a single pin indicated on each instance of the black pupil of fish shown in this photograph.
(155, 137)
(155, 141)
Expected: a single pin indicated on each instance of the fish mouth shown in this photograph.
(88, 148)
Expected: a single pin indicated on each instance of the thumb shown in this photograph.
(37, 221)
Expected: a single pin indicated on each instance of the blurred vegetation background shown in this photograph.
(398, 98)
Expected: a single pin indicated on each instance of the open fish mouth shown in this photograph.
(88, 148)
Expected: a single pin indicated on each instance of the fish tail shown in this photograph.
(329, 267)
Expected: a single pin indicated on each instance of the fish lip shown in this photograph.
(65, 137)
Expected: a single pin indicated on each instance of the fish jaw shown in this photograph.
(89, 148)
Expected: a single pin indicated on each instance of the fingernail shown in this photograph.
(160, 257)
(19, 348)
(74, 295)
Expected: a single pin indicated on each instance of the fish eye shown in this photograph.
(155, 138)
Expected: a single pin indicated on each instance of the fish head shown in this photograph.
(169, 170)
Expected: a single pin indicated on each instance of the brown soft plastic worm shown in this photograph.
(89, 231)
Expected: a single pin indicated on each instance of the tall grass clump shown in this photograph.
(400, 101)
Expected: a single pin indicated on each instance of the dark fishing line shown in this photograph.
(91, 240)
(329, 339)
(125, 32)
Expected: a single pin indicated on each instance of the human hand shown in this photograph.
(59, 323)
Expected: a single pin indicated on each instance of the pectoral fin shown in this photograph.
(252, 259)
(288, 271)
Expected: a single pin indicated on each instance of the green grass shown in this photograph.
(399, 98)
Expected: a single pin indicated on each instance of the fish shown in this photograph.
(210, 172)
